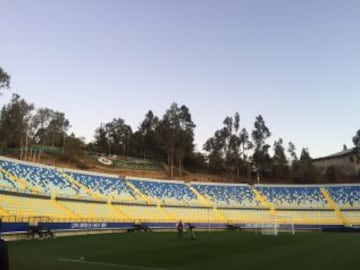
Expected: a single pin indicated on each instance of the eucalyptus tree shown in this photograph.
(214, 146)
(292, 152)
(185, 137)
(14, 122)
(101, 141)
(232, 143)
(4, 79)
(279, 160)
(57, 129)
(40, 123)
(227, 149)
(235, 143)
(246, 146)
(148, 137)
(356, 139)
(259, 135)
(118, 134)
(305, 155)
(356, 153)
(50, 127)
(176, 130)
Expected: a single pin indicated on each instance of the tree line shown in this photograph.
(168, 139)
(233, 151)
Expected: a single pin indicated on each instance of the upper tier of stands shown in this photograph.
(228, 195)
(294, 197)
(345, 196)
(5, 181)
(41, 178)
(174, 192)
(105, 185)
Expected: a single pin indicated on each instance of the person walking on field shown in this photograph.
(180, 228)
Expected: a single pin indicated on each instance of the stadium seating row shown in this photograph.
(165, 192)
(228, 195)
(26, 206)
(105, 185)
(293, 197)
(345, 196)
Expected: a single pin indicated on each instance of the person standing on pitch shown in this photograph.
(180, 228)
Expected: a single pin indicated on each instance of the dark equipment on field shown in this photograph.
(190, 230)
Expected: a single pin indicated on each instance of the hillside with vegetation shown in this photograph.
(161, 147)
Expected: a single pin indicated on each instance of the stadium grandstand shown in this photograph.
(73, 201)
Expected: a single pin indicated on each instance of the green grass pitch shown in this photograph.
(215, 250)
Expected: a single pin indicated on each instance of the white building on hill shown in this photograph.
(348, 161)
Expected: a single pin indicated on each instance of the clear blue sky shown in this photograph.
(295, 62)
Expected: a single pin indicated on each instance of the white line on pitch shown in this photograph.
(136, 267)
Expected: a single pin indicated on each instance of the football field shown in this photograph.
(164, 251)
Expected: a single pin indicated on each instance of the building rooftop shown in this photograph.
(346, 152)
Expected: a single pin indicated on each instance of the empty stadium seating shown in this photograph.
(5, 181)
(42, 178)
(32, 190)
(144, 213)
(105, 185)
(314, 217)
(203, 215)
(166, 192)
(228, 195)
(248, 216)
(27, 206)
(91, 210)
(352, 216)
(345, 196)
(294, 197)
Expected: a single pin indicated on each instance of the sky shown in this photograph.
(297, 63)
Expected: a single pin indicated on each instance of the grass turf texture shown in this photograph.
(215, 250)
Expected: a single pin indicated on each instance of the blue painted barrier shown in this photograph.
(14, 227)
